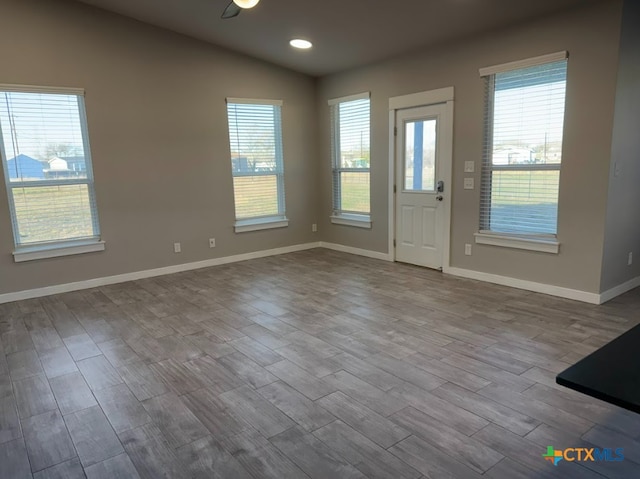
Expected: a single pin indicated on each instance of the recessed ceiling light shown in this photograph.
(299, 43)
(246, 3)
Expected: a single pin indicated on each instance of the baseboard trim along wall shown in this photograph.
(357, 251)
(149, 273)
(620, 289)
(584, 296)
(567, 293)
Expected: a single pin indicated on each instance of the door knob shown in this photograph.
(439, 198)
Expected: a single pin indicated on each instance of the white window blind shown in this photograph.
(524, 120)
(255, 133)
(351, 156)
(47, 165)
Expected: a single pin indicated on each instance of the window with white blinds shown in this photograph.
(524, 119)
(47, 165)
(255, 133)
(351, 156)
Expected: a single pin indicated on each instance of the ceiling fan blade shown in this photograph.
(231, 11)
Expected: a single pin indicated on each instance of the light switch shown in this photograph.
(469, 166)
(469, 184)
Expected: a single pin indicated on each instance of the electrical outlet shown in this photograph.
(630, 261)
(469, 166)
(467, 249)
(212, 242)
(314, 227)
(177, 248)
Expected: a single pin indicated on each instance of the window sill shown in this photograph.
(31, 253)
(244, 226)
(357, 221)
(542, 245)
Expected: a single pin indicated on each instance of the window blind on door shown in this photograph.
(47, 165)
(351, 157)
(524, 124)
(255, 134)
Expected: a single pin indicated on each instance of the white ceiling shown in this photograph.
(345, 33)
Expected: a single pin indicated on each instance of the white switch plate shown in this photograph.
(467, 249)
(177, 248)
(469, 183)
(212, 242)
(314, 227)
(469, 166)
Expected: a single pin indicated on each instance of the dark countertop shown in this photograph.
(611, 373)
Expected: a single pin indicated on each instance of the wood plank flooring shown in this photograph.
(314, 364)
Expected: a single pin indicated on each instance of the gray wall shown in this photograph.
(623, 208)
(157, 123)
(591, 35)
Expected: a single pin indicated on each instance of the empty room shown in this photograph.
(324, 239)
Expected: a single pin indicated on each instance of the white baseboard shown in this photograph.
(620, 289)
(584, 296)
(577, 295)
(356, 251)
(150, 273)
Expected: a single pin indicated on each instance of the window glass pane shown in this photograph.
(255, 196)
(355, 192)
(351, 156)
(354, 134)
(524, 201)
(523, 149)
(255, 134)
(252, 131)
(529, 115)
(44, 140)
(42, 136)
(52, 213)
(420, 155)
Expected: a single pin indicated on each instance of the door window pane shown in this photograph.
(420, 155)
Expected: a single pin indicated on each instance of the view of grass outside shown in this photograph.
(43, 140)
(352, 156)
(256, 196)
(53, 213)
(355, 192)
(524, 200)
(526, 112)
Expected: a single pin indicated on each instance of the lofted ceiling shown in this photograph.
(345, 33)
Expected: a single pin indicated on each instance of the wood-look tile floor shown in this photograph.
(313, 364)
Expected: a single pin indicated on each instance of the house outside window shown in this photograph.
(53, 206)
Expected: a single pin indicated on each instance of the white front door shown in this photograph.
(421, 185)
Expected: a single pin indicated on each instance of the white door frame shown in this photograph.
(426, 98)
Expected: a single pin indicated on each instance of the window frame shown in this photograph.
(279, 220)
(53, 248)
(541, 242)
(340, 216)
